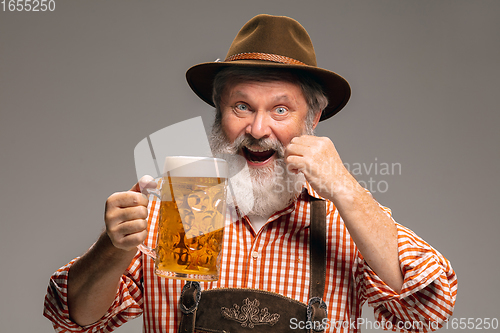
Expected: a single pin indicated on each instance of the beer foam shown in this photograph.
(189, 166)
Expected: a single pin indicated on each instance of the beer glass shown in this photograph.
(192, 193)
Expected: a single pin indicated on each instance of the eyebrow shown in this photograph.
(282, 97)
(239, 93)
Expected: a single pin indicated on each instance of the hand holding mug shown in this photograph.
(126, 215)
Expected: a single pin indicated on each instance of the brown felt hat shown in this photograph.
(272, 42)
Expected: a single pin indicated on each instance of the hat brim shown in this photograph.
(200, 78)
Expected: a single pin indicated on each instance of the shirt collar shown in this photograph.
(307, 191)
(308, 188)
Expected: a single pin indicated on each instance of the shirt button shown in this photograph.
(255, 255)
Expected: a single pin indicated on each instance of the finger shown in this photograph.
(127, 199)
(306, 140)
(313, 141)
(296, 149)
(130, 241)
(143, 183)
(115, 217)
(147, 182)
(131, 213)
(131, 227)
(295, 163)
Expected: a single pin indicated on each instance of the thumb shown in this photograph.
(143, 183)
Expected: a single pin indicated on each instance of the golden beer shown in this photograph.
(191, 223)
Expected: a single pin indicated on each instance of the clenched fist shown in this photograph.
(318, 160)
(126, 215)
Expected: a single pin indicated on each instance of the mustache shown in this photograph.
(246, 140)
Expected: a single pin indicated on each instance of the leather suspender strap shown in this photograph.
(316, 308)
(189, 300)
(317, 250)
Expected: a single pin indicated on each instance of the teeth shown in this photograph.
(258, 150)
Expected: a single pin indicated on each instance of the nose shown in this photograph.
(259, 126)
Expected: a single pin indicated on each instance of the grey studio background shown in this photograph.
(82, 85)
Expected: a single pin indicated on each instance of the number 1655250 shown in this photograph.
(28, 5)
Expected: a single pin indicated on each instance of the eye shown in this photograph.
(241, 107)
(280, 110)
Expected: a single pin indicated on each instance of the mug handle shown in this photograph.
(147, 250)
(156, 192)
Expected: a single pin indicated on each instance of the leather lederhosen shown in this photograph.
(255, 311)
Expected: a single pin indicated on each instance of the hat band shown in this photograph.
(265, 56)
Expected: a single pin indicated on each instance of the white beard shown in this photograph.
(256, 191)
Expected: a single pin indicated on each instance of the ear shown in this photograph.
(316, 118)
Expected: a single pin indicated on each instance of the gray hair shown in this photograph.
(313, 93)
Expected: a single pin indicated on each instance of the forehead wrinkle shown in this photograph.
(277, 98)
(283, 97)
(286, 96)
(238, 93)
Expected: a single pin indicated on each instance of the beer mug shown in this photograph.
(191, 218)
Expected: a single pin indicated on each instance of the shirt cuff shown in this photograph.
(429, 287)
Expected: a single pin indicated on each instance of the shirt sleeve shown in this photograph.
(428, 294)
(127, 304)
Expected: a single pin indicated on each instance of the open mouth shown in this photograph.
(258, 156)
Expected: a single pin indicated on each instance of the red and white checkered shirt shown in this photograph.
(276, 259)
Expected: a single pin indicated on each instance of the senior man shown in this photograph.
(279, 270)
